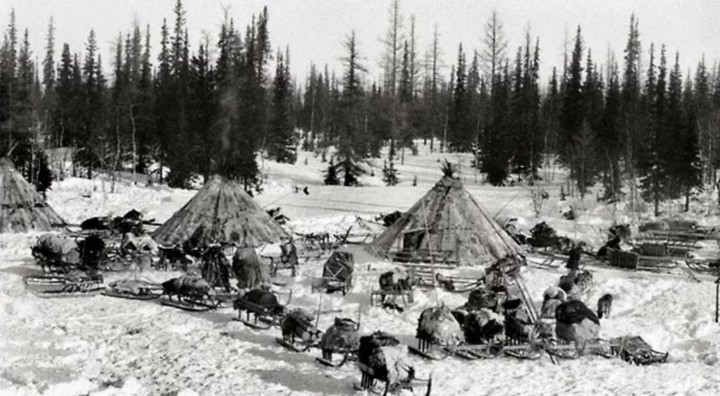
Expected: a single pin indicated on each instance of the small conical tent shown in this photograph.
(221, 212)
(22, 208)
(448, 219)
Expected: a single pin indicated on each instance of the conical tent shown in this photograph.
(221, 212)
(449, 220)
(22, 208)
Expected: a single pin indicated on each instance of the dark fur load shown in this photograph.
(480, 327)
(604, 306)
(262, 298)
(174, 255)
(389, 219)
(517, 320)
(574, 311)
(616, 234)
(92, 251)
(341, 336)
(299, 324)
(371, 355)
(187, 286)
(277, 215)
(481, 298)
(96, 223)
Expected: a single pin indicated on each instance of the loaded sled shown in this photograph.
(192, 294)
(428, 350)
(341, 338)
(298, 332)
(264, 307)
(337, 273)
(133, 289)
(369, 378)
(72, 285)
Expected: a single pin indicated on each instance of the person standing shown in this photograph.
(573, 263)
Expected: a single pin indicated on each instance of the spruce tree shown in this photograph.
(390, 174)
(686, 170)
(281, 137)
(460, 139)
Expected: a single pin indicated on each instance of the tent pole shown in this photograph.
(432, 259)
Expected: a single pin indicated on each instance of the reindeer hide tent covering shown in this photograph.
(22, 208)
(448, 219)
(221, 212)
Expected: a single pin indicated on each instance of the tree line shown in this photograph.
(639, 126)
(181, 111)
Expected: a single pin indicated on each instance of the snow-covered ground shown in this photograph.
(105, 346)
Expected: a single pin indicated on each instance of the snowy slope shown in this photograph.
(105, 346)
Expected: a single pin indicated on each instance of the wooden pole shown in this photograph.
(717, 298)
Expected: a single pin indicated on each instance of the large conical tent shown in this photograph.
(448, 219)
(22, 208)
(221, 212)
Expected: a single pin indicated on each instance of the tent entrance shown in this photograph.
(412, 240)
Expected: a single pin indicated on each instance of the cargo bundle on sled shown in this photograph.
(134, 289)
(264, 307)
(190, 292)
(380, 361)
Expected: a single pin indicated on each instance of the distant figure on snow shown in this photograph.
(573, 263)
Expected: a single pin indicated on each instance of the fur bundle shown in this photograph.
(341, 336)
(438, 325)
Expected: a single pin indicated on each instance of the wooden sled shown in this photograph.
(643, 356)
(190, 304)
(526, 352)
(293, 346)
(130, 296)
(368, 381)
(377, 297)
(133, 289)
(428, 350)
(478, 351)
(263, 319)
(56, 286)
(327, 360)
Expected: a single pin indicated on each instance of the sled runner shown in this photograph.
(298, 330)
(428, 350)
(368, 380)
(633, 349)
(327, 360)
(133, 289)
(263, 306)
(192, 292)
(190, 304)
(63, 286)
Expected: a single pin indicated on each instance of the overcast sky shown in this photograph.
(314, 29)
